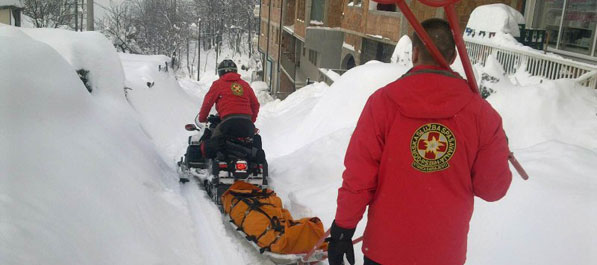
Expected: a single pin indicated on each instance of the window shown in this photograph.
(317, 10)
(386, 7)
(313, 57)
(382, 7)
(375, 50)
(572, 28)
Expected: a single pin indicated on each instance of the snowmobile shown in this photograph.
(217, 162)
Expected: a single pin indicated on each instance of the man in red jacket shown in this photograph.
(424, 146)
(235, 102)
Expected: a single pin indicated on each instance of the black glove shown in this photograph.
(340, 244)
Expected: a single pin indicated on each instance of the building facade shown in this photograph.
(301, 39)
(10, 12)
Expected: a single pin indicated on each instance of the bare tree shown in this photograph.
(118, 25)
(51, 13)
(171, 26)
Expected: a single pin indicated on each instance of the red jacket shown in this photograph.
(232, 95)
(424, 146)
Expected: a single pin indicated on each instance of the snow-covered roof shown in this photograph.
(16, 3)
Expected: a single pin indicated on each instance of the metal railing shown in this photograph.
(535, 63)
(324, 77)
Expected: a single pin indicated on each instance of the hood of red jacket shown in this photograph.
(430, 95)
(232, 76)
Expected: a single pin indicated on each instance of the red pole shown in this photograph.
(319, 242)
(466, 63)
(518, 166)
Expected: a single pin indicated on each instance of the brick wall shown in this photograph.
(276, 14)
(273, 43)
(289, 12)
(384, 25)
(264, 9)
(388, 25)
(353, 19)
(334, 13)
(353, 40)
(286, 86)
(299, 29)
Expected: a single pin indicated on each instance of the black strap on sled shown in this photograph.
(253, 203)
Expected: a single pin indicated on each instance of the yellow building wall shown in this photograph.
(5, 16)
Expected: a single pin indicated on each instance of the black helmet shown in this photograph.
(226, 66)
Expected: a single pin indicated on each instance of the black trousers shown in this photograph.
(370, 262)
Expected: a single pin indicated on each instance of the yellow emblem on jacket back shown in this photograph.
(237, 89)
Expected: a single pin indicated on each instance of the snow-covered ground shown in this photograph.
(546, 220)
(89, 178)
(549, 219)
(80, 183)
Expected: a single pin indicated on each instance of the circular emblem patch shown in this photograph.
(432, 146)
(237, 89)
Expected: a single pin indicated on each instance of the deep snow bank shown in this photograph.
(80, 184)
(90, 51)
(497, 23)
(550, 126)
(552, 110)
(326, 109)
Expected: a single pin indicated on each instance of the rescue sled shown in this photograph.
(316, 254)
(299, 259)
(241, 163)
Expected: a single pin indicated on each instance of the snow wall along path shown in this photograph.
(163, 108)
(81, 183)
(548, 219)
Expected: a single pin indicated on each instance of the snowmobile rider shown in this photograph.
(423, 147)
(235, 102)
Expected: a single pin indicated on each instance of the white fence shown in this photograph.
(537, 64)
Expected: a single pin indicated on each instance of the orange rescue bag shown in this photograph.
(259, 214)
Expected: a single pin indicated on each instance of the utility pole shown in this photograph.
(199, 50)
(76, 15)
(90, 18)
(82, 14)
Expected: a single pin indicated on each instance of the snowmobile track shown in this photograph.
(276, 258)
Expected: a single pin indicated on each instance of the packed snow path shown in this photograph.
(305, 137)
(165, 108)
(89, 178)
